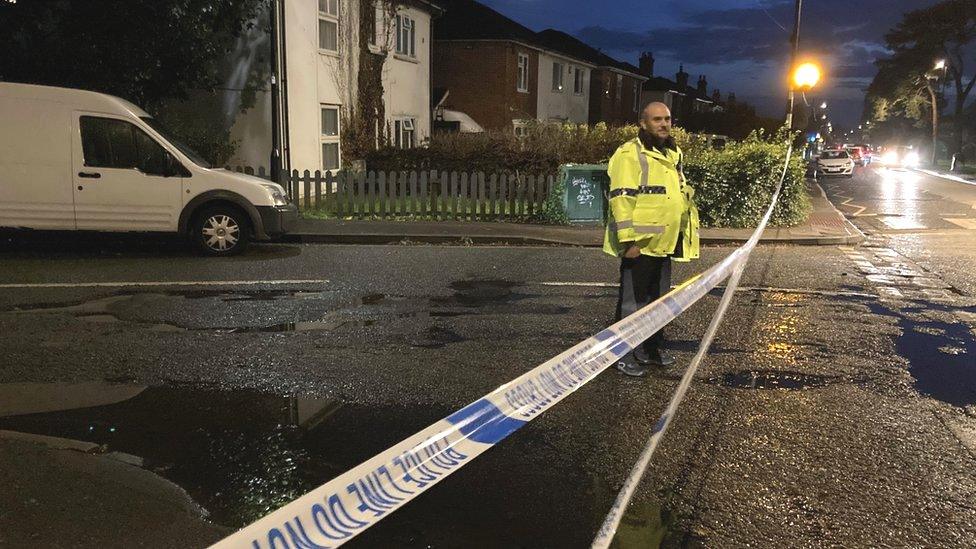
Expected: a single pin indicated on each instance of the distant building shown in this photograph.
(614, 87)
(322, 57)
(683, 100)
(501, 74)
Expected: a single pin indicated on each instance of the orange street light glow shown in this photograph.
(806, 76)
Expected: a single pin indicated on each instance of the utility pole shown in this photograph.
(795, 41)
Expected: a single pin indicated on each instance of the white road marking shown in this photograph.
(162, 283)
(614, 285)
(964, 223)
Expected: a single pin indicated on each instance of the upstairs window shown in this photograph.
(329, 25)
(620, 86)
(522, 80)
(557, 77)
(406, 35)
(579, 75)
(636, 96)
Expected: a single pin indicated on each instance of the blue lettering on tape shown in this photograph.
(620, 349)
(299, 539)
(483, 422)
(605, 335)
(326, 525)
(659, 426)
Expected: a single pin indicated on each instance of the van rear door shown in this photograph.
(123, 178)
(35, 164)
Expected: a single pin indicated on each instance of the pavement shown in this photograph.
(952, 176)
(837, 407)
(826, 226)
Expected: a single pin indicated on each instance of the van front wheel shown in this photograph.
(220, 230)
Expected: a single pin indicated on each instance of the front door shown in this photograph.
(123, 178)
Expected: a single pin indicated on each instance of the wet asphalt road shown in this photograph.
(838, 407)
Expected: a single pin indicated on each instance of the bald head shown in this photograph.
(656, 120)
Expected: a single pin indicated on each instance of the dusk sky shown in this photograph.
(740, 45)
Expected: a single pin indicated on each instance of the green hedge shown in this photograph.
(733, 186)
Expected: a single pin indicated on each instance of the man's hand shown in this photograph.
(633, 252)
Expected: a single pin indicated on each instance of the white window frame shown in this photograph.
(406, 24)
(620, 87)
(579, 80)
(330, 139)
(522, 77)
(557, 77)
(374, 39)
(636, 96)
(332, 17)
(403, 127)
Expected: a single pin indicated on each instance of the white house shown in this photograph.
(320, 64)
(564, 88)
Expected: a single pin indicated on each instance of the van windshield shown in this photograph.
(168, 136)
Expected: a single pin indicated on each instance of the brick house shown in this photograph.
(615, 87)
(501, 74)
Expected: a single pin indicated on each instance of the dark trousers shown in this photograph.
(643, 280)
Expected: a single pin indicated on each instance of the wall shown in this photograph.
(565, 105)
(406, 81)
(482, 78)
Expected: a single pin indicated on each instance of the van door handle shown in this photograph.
(90, 175)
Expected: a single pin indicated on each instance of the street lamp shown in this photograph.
(806, 76)
(940, 65)
(823, 105)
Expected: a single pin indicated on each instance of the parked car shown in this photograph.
(835, 162)
(79, 160)
(900, 157)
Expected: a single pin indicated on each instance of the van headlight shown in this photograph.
(277, 195)
(911, 159)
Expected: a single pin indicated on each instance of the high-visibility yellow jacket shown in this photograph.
(651, 204)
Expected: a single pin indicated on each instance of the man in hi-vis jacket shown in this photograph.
(653, 219)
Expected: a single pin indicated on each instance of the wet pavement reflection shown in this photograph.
(242, 454)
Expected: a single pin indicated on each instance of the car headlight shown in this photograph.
(890, 157)
(277, 195)
(911, 159)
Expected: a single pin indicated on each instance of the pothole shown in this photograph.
(773, 379)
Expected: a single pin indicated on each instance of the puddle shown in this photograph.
(941, 355)
(773, 379)
(481, 293)
(438, 337)
(242, 454)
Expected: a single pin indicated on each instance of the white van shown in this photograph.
(80, 160)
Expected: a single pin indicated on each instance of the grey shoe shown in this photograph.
(657, 357)
(629, 367)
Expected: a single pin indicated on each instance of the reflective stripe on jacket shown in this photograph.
(651, 204)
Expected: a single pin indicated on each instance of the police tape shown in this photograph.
(609, 527)
(346, 506)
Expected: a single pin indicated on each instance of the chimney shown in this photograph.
(681, 78)
(647, 64)
(702, 86)
(731, 97)
(717, 96)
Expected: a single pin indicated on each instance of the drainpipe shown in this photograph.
(283, 70)
(275, 96)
